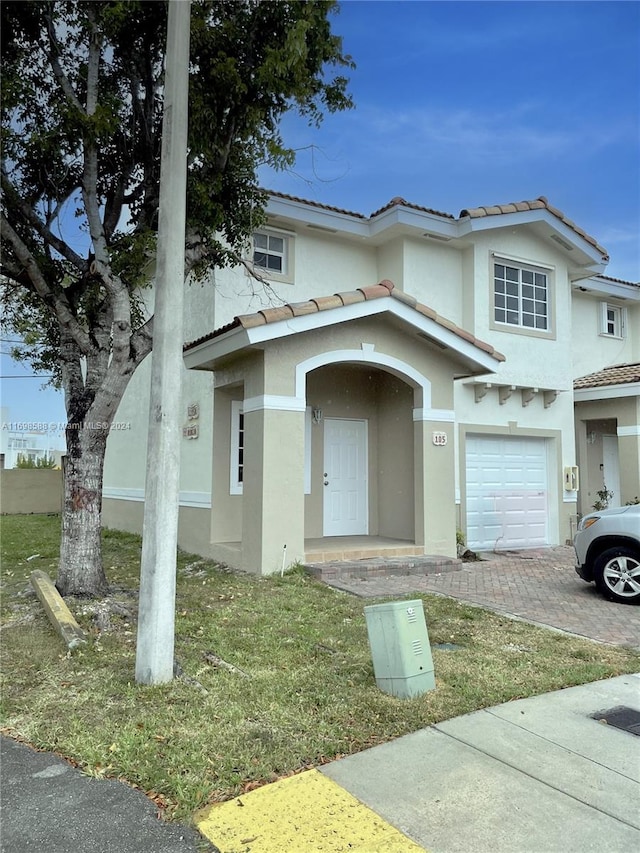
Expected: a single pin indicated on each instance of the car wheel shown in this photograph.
(617, 574)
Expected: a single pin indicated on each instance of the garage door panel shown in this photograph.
(507, 492)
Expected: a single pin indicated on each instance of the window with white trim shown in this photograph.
(236, 462)
(521, 296)
(612, 320)
(236, 467)
(270, 252)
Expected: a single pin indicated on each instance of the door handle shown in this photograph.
(326, 482)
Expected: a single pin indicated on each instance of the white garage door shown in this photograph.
(507, 489)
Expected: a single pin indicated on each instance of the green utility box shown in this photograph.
(400, 648)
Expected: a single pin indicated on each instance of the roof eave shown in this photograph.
(203, 355)
(565, 237)
(305, 214)
(606, 392)
(475, 359)
(615, 289)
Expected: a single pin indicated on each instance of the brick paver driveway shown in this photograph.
(538, 586)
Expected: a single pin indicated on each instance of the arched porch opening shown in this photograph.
(361, 455)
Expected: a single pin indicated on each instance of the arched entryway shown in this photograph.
(361, 453)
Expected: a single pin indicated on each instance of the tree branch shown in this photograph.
(61, 77)
(142, 342)
(90, 170)
(113, 208)
(29, 214)
(56, 303)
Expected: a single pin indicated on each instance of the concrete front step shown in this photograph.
(376, 566)
(358, 553)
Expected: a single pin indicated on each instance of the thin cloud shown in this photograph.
(618, 236)
(475, 136)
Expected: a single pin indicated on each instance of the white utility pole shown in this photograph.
(156, 609)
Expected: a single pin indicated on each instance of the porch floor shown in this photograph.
(335, 557)
(333, 548)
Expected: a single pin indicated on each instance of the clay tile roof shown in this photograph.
(381, 290)
(619, 280)
(270, 315)
(618, 374)
(315, 204)
(537, 204)
(540, 203)
(398, 201)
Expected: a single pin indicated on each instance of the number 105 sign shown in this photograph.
(439, 439)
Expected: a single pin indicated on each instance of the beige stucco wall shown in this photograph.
(591, 350)
(433, 274)
(226, 516)
(194, 524)
(24, 491)
(126, 459)
(125, 464)
(435, 510)
(390, 262)
(396, 464)
(273, 505)
(389, 338)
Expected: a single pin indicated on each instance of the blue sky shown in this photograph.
(462, 104)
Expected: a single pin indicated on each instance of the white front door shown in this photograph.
(346, 511)
(611, 468)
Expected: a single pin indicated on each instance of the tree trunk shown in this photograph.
(81, 571)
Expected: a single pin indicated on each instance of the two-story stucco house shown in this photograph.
(398, 377)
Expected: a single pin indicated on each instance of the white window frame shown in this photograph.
(526, 294)
(235, 465)
(615, 326)
(286, 275)
(235, 446)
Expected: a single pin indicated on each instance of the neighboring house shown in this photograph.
(607, 411)
(400, 375)
(24, 440)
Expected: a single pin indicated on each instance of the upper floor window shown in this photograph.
(612, 320)
(521, 297)
(270, 252)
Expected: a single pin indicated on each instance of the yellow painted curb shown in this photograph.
(307, 813)
(59, 614)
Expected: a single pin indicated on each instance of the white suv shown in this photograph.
(607, 546)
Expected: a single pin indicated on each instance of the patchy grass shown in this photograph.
(308, 695)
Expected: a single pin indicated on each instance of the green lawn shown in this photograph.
(308, 695)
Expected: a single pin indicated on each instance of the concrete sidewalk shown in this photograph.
(535, 775)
